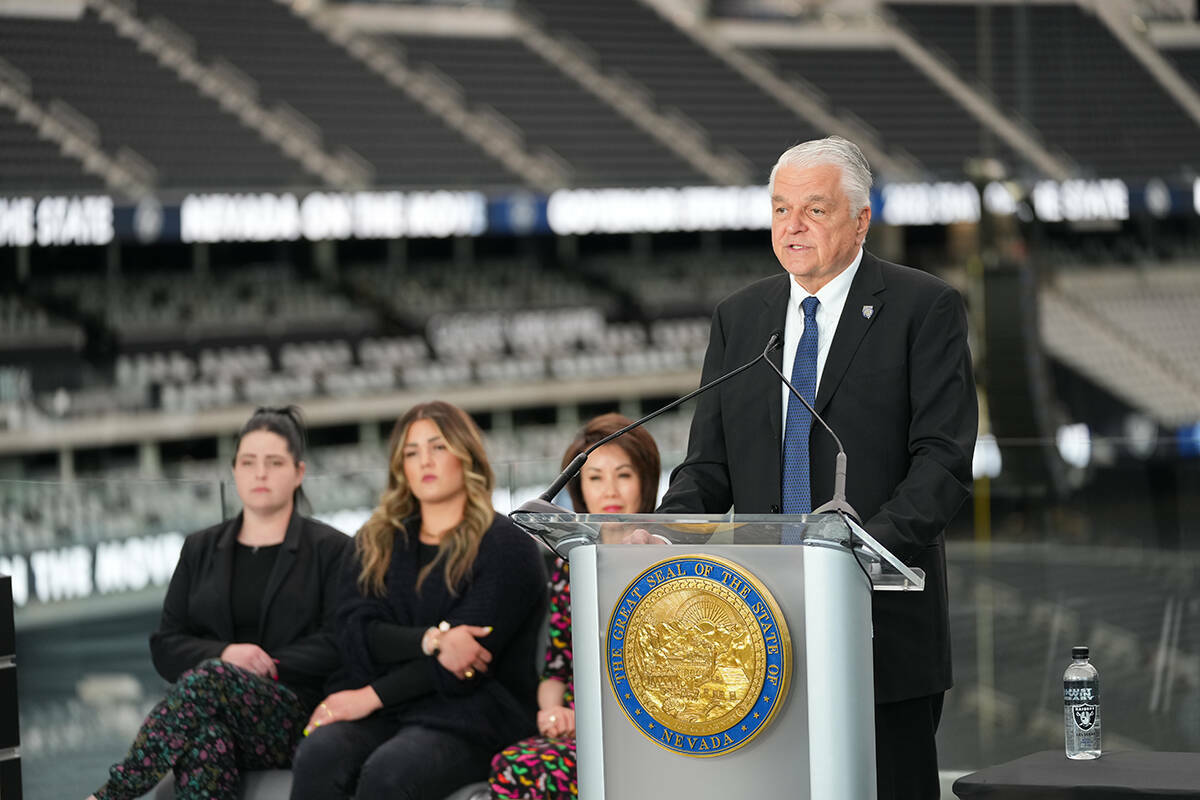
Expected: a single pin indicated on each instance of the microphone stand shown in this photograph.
(838, 504)
(544, 503)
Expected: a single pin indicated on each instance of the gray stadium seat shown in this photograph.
(273, 784)
(276, 784)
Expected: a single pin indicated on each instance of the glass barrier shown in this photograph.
(1107, 556)
(1016, 609)
(563, 532)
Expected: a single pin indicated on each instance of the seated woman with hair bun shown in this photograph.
(438, 627)
(619, 478)
(246, 632)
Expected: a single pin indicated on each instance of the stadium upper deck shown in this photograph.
(266, 95)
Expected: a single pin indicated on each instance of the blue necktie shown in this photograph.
(797, 488)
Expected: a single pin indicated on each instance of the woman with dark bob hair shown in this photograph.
(619, 478)
(437, 625)
(246, 632)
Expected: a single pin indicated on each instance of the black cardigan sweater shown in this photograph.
(295, 620)
(506, 588)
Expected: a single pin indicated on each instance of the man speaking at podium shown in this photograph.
(880, 350)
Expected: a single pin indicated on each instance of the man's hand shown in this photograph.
(251, 658)
(643, 536)
(344, 706)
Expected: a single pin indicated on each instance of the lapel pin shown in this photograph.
(868, 311)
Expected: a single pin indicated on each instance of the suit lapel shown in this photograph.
(776, 316)
(226, 547)
(283, 565)
(865, 292)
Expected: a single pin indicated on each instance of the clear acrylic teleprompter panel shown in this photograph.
(565, 531)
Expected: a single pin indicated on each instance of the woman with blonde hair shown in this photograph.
(437, 627)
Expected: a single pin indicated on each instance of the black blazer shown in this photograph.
(295, 623)
(899, 390)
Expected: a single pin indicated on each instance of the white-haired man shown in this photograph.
(881, 350)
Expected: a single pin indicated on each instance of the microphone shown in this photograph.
(839, 502)
(543, 503)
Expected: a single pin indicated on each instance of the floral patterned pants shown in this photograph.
(215, 721)
(535, 769)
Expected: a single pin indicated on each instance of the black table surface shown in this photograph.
(1050, 775)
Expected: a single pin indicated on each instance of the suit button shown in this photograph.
(774, 509)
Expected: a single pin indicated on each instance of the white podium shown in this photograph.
(815, 740)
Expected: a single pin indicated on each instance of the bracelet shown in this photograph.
(436, 645)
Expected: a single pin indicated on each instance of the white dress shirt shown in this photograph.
(833, 299)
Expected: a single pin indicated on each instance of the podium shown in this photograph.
(678, 692)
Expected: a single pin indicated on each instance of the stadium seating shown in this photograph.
(540, 346)
(1132, 331)
(25, 324)
(1102, 108)
(115, 502)
(31, 164)
(601, 147)
(628, 36)
(174, 305)
(1187, 61)
(421, 290)
(187, 341)
(42, 514)
(673, 285)
(350, 105)
(899, 102)
(139, 104)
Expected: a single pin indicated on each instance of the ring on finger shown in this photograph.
(469, 673)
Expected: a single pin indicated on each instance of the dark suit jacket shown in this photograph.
(899, 391)
(296, 620)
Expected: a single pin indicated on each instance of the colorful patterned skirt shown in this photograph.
(535, 769)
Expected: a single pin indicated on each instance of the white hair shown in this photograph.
(841, 153)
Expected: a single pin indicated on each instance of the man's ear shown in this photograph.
(864, 221)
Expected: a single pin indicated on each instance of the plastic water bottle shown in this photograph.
(1081, 706)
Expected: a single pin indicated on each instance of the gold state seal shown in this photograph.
(699, 655)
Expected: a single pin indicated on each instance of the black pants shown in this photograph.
(905, 750)
(372, 760)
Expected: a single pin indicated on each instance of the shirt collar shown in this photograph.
(832, 294)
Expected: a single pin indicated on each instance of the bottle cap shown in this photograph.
(1079, 652)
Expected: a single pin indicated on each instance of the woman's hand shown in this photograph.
(252, 658)
(344, 706)
(460, 654)
(556, 722)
